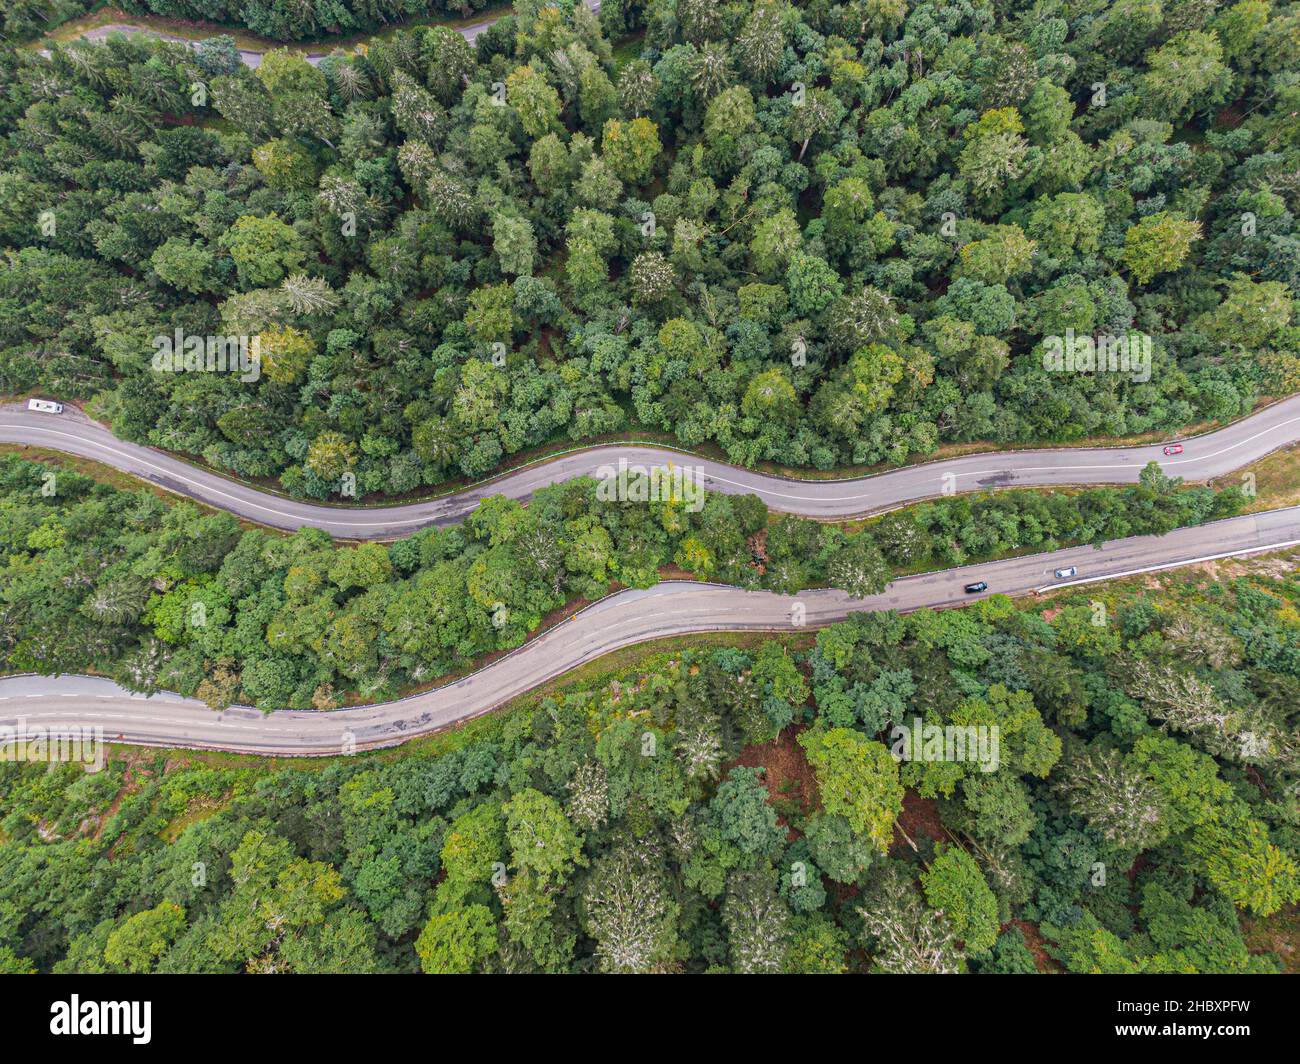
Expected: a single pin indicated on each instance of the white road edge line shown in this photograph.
(1168, 565)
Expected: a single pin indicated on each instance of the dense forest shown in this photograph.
(730, 810)
(811, 235)
(162, 596)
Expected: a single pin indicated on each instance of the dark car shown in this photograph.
(975, 589)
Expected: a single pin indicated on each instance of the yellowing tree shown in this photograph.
(330, 455)
(533, 99)
(858, 780)
(1158, 244)
(286, 353)
(631, 148)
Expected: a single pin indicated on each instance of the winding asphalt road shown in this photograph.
(1206, 457)
(671, 608)
(252, 58)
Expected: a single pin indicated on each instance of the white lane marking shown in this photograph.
(1169, 565)
(938, 468)
(377, 522)
(131, 457)
(304, 725)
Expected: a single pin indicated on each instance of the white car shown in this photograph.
(45, 406)
(1067, 572)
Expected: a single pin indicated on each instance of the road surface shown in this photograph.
(253, 58)
(671, 608)
(1205, 457)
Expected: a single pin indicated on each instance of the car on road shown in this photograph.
(1067, 572)
(45, 406)
(1174, 448)
(975, 589)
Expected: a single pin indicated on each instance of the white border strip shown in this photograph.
(1169, 565)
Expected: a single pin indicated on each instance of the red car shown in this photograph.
(1174, 448)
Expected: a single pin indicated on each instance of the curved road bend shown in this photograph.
(671, 608)
(631, 617)
(252, 58)
(1206, 457)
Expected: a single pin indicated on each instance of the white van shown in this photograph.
(45, 406)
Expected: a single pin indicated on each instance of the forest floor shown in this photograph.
(1278, 934)
(1037, 945)
(791, 782)
(919, 819)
